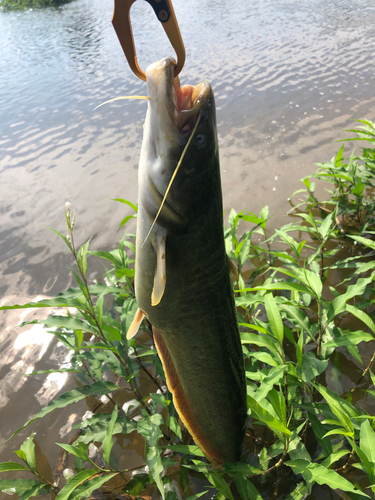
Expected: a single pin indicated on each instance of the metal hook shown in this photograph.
(165, 13)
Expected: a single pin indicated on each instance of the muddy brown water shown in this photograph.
(288, 77)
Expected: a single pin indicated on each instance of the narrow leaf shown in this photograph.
(274, 317)
(74, 482)
(108, 440)
(7, 466)
(314, 472)
(86, 489)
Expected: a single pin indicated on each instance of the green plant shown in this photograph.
(295, 317)
(27, 4)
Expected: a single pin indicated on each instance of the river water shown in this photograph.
(288, 77)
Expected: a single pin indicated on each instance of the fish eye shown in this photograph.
(200, 140)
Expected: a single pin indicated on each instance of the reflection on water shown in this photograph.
(288, 77)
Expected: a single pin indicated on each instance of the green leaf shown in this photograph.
(331, 459)
(108, 440)
(336, 405)
(319, 431)
(139, 482)
(274, 317)
(159, 398)
(336, 432)
(264, 357)
(108, 256)
(365, 241)
(367, 440)
(95, 429)
(274, 377)
(298, 318)
(173, 425)
(365, 318)
(339, 303)
(77, 451)
(312, 367)
(6, 466)
(264, 416)
(86, 489)
(28, 447)
(21, 455)
(74, 482)
(149, 428)
(69, 324)
(314, 472)
(196, 496)
(99, 310)
(218, 482)
(192, 449)
(62, 237)
(56, 302)
(21, 486)
(367, 465)
(260, 340)
(246, 489)
(81, 285)
(300, 492)
(324, 228)
(297, 450)
(71, 397)
(299, 351)
(126, 219)
(350, 339)
(281, 285)
(81, 257)
(127, 202)
(315, 283)
(61, 370)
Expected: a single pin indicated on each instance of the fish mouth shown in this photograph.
(189, 100)
(180, 105)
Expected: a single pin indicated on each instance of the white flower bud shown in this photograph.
(67, 205)
(104, 400)
(92, 451)
(141, 470)
(87, 415)
(133, 403)
(68, 474)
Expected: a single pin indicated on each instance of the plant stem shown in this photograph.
(102, 336)
(141, 365)
(362, 375)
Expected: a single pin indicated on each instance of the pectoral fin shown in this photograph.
(134, 327)
(160, 278)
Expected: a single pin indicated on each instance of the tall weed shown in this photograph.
(294, 318)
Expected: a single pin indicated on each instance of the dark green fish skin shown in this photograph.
(195, 323)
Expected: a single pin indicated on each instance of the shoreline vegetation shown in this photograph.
(30, 4)
(301, 300)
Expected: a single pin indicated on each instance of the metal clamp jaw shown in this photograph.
(165, 13)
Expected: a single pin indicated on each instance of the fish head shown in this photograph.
(179, 132)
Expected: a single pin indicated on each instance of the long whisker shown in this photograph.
(123, 97)
(173, 177)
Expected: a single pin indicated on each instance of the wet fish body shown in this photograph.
(181, 276)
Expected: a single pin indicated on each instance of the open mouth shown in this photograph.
(188, 101)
